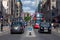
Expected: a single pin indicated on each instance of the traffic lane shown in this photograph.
(39, 36)
(30, 38)
(12, 36)
(45, 36)
(33, 36)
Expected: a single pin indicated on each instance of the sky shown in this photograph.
(29, 5)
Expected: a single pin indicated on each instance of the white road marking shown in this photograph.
(32, 33)
(0, 32)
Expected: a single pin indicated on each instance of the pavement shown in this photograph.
(56, 30)
(5, 30)
(34, 35)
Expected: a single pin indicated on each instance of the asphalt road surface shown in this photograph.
(34, 36)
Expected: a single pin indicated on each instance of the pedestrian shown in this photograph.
(57, 26)
(1, 26)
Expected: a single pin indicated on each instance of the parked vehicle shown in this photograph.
(25, 23)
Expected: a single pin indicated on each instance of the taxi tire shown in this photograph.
(11, 32)
(23, 31)
(39, 31)
(49, 32)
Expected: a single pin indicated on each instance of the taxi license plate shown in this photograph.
(45, 30)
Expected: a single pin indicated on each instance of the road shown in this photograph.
(34, 36)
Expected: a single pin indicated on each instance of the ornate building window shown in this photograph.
(53, 0)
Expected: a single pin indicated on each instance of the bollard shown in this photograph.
(30, 33)
(1, 27)
(30, 29)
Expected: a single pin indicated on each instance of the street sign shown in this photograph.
(30, 28)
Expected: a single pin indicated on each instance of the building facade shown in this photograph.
(58, 6)
(58, 9)
(14, 8)
(53, 8)
(46, 9)
(0, 5)
(18, 6)
(1, 10)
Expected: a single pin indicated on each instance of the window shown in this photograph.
(53, 14)
(53, 7)
(17, 14)
(53, 0)
(17, 10)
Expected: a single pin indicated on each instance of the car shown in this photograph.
(45, 27)
(25, 23)
(20, 19)
(16, 27)
(36, 26)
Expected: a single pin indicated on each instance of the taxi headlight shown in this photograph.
(15, 27)
(52, 24)
(41, 27)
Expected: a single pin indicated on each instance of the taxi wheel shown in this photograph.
(11, 32)
(38, 31)
(23, 31)
(49, 32)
